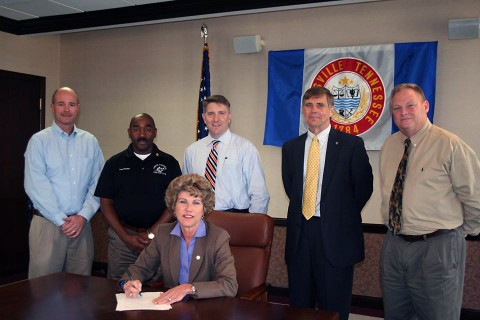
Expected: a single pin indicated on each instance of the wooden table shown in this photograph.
(70, 297)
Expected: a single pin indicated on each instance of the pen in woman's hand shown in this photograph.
(131, 279)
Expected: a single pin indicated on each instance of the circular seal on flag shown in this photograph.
(358, 91)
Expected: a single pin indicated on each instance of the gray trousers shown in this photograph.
(423, 279)
(119, 256)
(51, 251)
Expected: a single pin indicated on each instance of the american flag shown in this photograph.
(202, 130)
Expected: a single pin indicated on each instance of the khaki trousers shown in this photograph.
(51, 251)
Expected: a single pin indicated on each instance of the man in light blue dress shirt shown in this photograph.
(240, 184)
(62, 166)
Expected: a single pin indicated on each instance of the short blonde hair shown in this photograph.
(402, 86)
(196, 186)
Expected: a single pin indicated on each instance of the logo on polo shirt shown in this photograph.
(160, 169)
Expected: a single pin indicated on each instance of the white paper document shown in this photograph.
(142, 303)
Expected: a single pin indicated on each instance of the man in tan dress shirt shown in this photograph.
(423, 264)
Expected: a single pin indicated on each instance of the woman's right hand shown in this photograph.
(132, 288)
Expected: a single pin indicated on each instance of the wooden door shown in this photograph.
(22, 102)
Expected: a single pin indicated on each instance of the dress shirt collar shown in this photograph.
(417, 137)
(201, 231)
(224, 138)
(322, 136)
(59, 130)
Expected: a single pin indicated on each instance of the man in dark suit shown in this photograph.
(324, 232)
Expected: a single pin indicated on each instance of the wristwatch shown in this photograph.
(194, 290)
(150, 234)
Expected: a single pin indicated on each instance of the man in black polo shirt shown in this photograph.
(132, 194)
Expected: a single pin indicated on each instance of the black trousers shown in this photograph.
(313, 280)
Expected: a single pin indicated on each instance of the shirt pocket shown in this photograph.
(55, 166)
(85, 167)
(232, 174)
(231, 167)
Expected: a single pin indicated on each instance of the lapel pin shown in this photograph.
(197, 257)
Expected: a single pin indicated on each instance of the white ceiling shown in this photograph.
(31, 9)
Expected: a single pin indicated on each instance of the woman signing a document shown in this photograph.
(192, 255)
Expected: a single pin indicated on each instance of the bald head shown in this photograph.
(65, 108)
(64, 89)
(142, 115)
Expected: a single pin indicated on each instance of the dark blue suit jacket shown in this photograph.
(346, 187)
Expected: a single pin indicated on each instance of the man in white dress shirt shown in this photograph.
(239, 180)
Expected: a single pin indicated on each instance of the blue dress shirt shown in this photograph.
(61, 173)
(186, 253)
(240, 182)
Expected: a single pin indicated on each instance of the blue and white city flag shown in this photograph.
(361, 79)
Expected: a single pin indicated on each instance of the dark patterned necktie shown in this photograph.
(211, 166)
(395, 208)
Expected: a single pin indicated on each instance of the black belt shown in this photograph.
(237, 210)
(137, 230)
(37, 213)
(421, 237)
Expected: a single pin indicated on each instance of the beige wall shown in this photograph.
(156, 69)
(39, 56)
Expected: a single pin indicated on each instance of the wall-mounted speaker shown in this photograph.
(464, 28)
(247, 44)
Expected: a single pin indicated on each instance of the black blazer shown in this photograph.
(346, 187)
